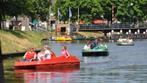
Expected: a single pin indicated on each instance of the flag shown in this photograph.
(70, 13)
(59, 13)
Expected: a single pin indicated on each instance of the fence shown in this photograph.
(126, 25)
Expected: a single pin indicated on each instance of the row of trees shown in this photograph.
(124, 10)
(30, 8)
(87, 10)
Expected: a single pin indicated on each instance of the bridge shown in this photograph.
(122, 28)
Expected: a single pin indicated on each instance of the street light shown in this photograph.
(131, 4)
(50, 13)
(129, 12)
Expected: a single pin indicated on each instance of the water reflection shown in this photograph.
(97, 59)
(36, 76)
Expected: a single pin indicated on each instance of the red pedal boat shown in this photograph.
(50, 64)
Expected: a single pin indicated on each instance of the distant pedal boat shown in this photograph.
(125, 42)
(62, 38)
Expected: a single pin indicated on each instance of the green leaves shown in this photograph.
(88, 9)
(27, 7)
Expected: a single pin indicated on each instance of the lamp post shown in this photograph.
(49, 20)
(130, 14)
(78, 13)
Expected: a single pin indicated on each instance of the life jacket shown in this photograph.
(29, 55)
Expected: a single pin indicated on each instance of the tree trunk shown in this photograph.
(1, 66)
(0, 21)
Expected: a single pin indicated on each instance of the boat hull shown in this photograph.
(50, 64)
(96, 53)
(125, 44)
(100, 50)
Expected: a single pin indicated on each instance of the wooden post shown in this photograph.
(1, 66)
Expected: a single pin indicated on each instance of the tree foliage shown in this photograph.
(125, 10)
(31, 8)
(38, 8)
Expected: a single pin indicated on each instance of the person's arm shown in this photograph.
(25, 55)
(67, 53)
(53, 54)
(38, 56)
(35, 56)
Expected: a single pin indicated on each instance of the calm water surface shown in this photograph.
(125, 64)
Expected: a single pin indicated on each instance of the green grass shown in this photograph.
(17, 41)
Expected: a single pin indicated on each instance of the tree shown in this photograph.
(89, 9)
(107, 9)
(125, 10)
(15, 7)
(38, 8)
(27, 7)
(130, 10)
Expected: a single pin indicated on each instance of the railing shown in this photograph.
(112, 26)
(92, 27)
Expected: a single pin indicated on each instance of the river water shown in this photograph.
(124, 64)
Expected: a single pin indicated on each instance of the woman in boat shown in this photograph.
(65, 52)
(48, 53)
(45, 53)
(41, 55)
(30, 55)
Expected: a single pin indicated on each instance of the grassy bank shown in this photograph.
(92, 34)
(18, 41)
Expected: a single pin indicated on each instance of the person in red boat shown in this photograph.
(30, 55)
(45, 53)
(49, 53)
(41, 55)
(65, 52)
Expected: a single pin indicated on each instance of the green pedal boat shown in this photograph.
(99, 50)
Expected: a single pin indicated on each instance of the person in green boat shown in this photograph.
(102, 44)
(95, 43)
(99, 43)
(88, 45)
(92, 44)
